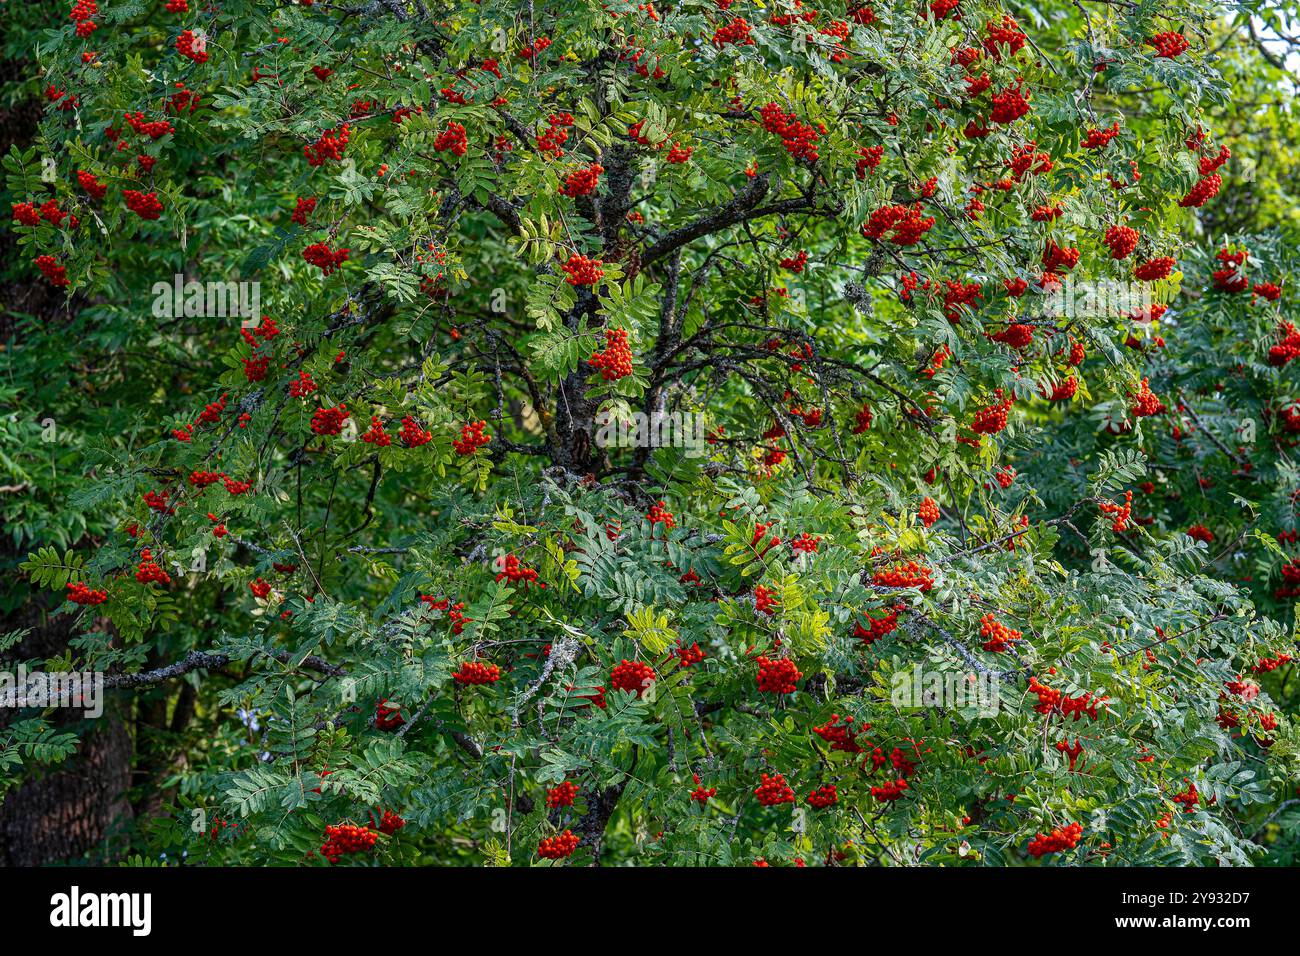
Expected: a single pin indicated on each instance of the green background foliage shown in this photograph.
(453, 307)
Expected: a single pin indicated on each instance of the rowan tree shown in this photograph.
(394, 571)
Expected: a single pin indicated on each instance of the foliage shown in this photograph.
(444, 628)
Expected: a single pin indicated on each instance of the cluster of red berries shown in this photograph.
(806, 543)
(992, 419)
(928, 511)
(79, 593)
(551, 142)
(26, 213)
(329, 146)
(841, 735)
(562, 795)
(1169, 45)
(154, 129)
(889, 791)
(303, 385)
(514, 572)
(796, 264)
(1153, 269)
(1027, 158)
(823, 797)
(785, 20)
(1209, 164)
(582, 182)
(1227, 278)
(83, 13)
(1189, 798)
(452, 140)
(908, 224)
(1205, 189)
(255, 366)
(1072, 751)
(737, 33)
(689, 655)
(615, 361)
(678, 154)
(472, 438)
(659, 514)
(870, 157)
(1198, 532)
(1010, 104)
(305, 206)
(412, 435)
(1145, 403)
(1098, 138)
(533, 50)
(1062, 390)
(1061, 838)
(910, 574)
(1017, 335)
(997, 636)
(1267, 664)
(194, 47)
(158, 502)
(455, 613)
(765, 600)
(184, 100)
(1122, 512)
(144, 205)
(388, 822)
(329, 421)
(93, 187)
(1122, 241)
(1006, 33)
(779, 676)
(1050, 699)
(149, 571)
(261, 588)
(701, 794)
(477, 672)
(774, 791)
(956, 297)
(1056, 257)
(50, 268)
(583, 271)
(324, 258)
(876, 627)
(347, 838)
(862, 420)
(632, 675)
(559, 846)
(799, 139)
(388, 716)
(1291, 577)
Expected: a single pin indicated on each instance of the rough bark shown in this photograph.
(76, 811)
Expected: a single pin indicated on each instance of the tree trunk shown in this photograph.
(75, 811)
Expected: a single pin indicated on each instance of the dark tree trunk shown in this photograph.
(74, 811)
